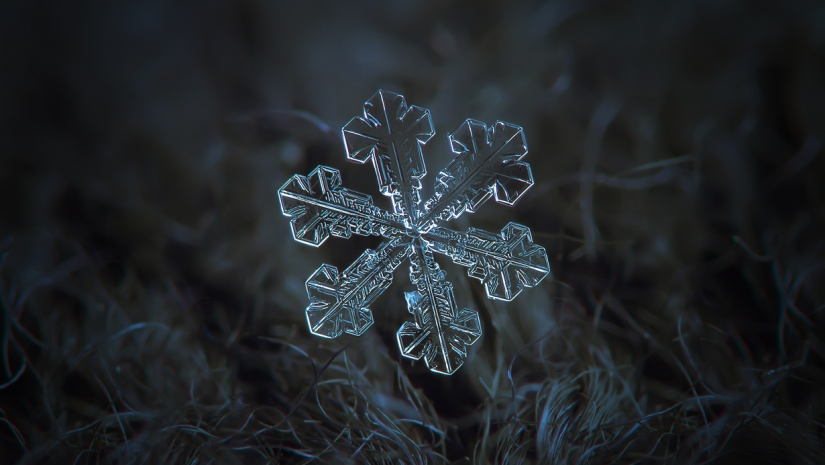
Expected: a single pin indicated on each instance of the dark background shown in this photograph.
(153, 298)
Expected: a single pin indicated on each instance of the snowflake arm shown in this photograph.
(506, 263)
(439, 333)
(320, 207)
(487, 163)
(339, 303)
(390, 133)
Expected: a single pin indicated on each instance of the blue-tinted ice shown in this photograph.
(487, 164)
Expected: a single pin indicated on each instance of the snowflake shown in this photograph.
(487, 164)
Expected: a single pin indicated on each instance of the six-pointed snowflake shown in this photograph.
(487, 164)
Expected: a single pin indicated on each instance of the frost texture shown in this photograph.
(487, 165)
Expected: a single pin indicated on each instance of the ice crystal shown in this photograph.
(487, 164)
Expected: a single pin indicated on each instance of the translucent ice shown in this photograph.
(487, 165)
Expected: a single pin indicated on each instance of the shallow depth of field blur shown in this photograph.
(153, 298)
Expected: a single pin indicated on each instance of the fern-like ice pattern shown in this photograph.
(487, 164)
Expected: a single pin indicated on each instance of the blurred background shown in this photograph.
(153, 298)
